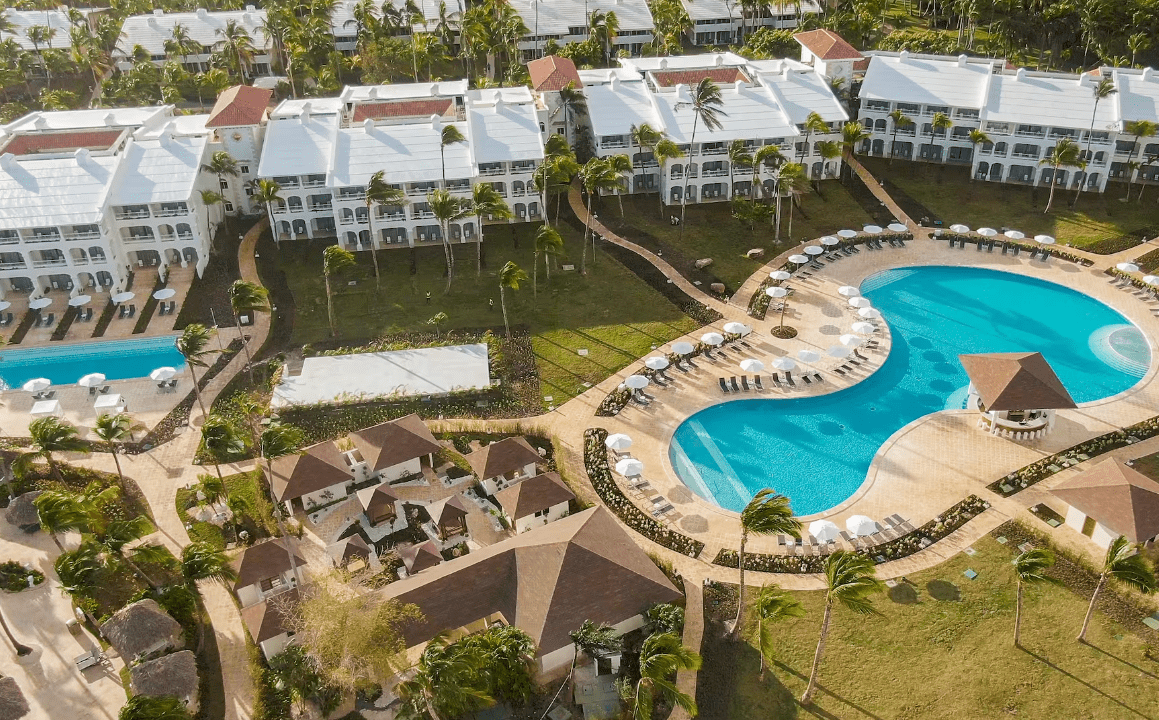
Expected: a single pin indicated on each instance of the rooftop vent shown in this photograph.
(82, 156)
(158, 12)
(368, 125)
(663, 63)
(305, 114)
(1020, 74)
(110, 119)
(8, 162)
(1148, 73)
(434, 89)
(436, 123)
(614, 83)
(247, 19)
(374, 93)
(202, 14)
(738, 86)
(903, 56)
(40, 122)
(719, 61)
(962, 61)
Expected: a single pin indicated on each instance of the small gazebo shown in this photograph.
(1017, 393)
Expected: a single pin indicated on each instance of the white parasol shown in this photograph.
(861, 525)
(959, 228)
(164, 293)
(847, 234)
(637, 382)
(656, 363)
(798, 259)
(869, 313)
(814, 250)
(848, 291)
(91, 380)
(863, 327)
(987, 232)
(630, 467)
(779, 275)
(682, 348)
(808, 356)
(736, 328)
(830, 241)
(896, 227)
(1014, 234)
(40, 303)
(871, 229)
(618, 442)
(751, 365)
(1128, 267)
(851, 341)
(123, 297)
(162, 373)
(776, 292)
(784, 363)
(80, 300)
(824, 531)
(1044, 240)
(36, 384)
(859, 302)
(839, 351)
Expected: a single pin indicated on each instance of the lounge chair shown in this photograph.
(88, 314)
(869, 246)
(1016, 249)
(839, 371)
(776, 379)
(789, 379)
(806, 379)
(48, 321)
(757, 382)
(817, 378)
(853, 362)
(901, 242)
(744, 382)
(132, 311)
(1005, 247)
(733, 385)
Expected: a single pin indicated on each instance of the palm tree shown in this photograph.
(39, 35)
(334, 260)
(180, 43)
(940, 124)
(119, 533)
(279, 440)
(645, 137)
(594, 641)
(850, 578)
(1124, 564)
(900, 120)
(447, 208)
(77, 571)
(772, 606)
(49, 435)
(1064, 154)
(705, 103)
(147, 707)
(547, 243)
(59, 513)
(794, 184)
(852, 133)
(236, 44)
(193, 344)
(247, 297)
(1104, 89)
(813, 123)
(444, 683)
(486, 201)
(766, 514)
(509, 277)
(266, 193)
(765, 156)
(1029, 567)
(221, 163)
(1140, 129)
(111, 430)
(977, 137)
(436, 320)
(451, 135)
(574, 105)
(201, 561)
(622, 166)
(738, 156)
(661, 656)
(664, 151)
(597, 174)
(379, 192)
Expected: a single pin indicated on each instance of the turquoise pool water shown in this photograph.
(817, 450)
(65, 364)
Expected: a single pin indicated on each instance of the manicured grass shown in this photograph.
(948, 192)
(940, 658)
(611, 312)
(247, 498)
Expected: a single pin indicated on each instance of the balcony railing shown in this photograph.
(172, 212)
(610, 144)
(9, 240)
(168, 237)
(715, 173)
(138, 239)
(80, 261)
(1030, 133)
(98, 259)
(184, 236)
(77, 236)
(313, 183)
(352, 195)
(42, 238)
(1029, 156)
(522, 169)
(136, 215)
(491, 171)
(714, 151)
(392, 216)
(423, 214)
(12, 266)
(321, 207)
(48, 263)
(418, 192)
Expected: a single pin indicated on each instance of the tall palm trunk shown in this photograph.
(21, 649)
(687, 166)
(1053, 185)
(811, 689)
(117, 462)
(373, 245)
(330, 307)
(450, 255)
(587, 228)
(249, 359)
(197, 389)
(1018, 615)
(503, 306)
(744, 537)
(1091, 609)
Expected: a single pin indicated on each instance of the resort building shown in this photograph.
(393, 450)
(172, 675)
(419, 557)
(237, 125)
(141, 629)
(829, 54)
(1017, 393)
(1111, 499)
(535, 501)
(380, 505)
(501, 463)
(765, 103)
(323, 152)
(449, 518)
(567, 21)
(549, 75)
(546, 582)
(266, 622)
(54, 31)
(264, 570)
(724, 22)
(205, 30)
(317, 476)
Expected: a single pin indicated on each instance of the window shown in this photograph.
(249, 192)
(229, 207)
(269, 584)
(224, 184)
(878, 105)
(244, 169)
(1088, 526)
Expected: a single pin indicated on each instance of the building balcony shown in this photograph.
(78, 236)
(488, 172)
(138, 239)
(80, 261)
(55, 262)
(321, 207)
(42, 238)
(359, 195)
(10, 240)
(1027, 156)
(422, 192)
(171, 213)
(313, 183)
(614, 144)
(523, 169)
(423, 214)
(185, 236)
(714, 151)
(13, 266)
(139, 215)
(1027, 133)
(168, 237)
(393, 216)
(715, 173)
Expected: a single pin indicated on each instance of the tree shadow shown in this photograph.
(943, 590)
(1086, 684)
(812, 709)
(903, 594)
(1126, 662)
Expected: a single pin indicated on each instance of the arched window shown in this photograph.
(347, 216)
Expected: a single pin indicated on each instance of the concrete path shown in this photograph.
(693, 636)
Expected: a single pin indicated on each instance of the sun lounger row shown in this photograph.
(891, 528)
(731, 385)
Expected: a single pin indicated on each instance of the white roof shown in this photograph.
(926, 80)
(1047, 99)
(747, 113)
(57, 191)
(1138, 96)
(718, 9)
(87, 119)
(298, 146)
(152, 31)
(597, 77)
(317, 106)
(800, 90)
(24, 19)
(342, 19)
(158, 171)
(407, 153)
(403, 91)
(614, 108)
(683, 62)
(506, 131)
(556, 16)
(179, 125)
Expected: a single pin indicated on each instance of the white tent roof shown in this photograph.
(407, 153)
(556, 16)
(926, 80)
(298, 146)
(1047, 99)
(24, 19)
(507, 132)
(151, 31)
(56, 191)
(160, 170)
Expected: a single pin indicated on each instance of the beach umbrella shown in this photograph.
(987, 232)
(4, 304)
(91, 380)
(682, 348)
(776, 292)
(808, 356)
(1044, 239)
(40, 303)
(618, 442)
(851, 341)
(871, 229)
(1014, 234)
(630, 467)
(1128, 267)
(712, 338)
(825, 531)
(735, 328)
(798, 259)
(1151, 279)
(36, 384)
(839, 351)
(656, 363)
(80, 300)
(829, 240)
(847, 234)
(123, 297)
(784, 363)
(863, 327)
(959, 228)
(861, 525)
(848, 291)
(751, 365)
(779, 275)
(896, 227)
(869, 313)
(814, 250)
(162, 373)
(859, 302)
(164, 293)
(636, 382)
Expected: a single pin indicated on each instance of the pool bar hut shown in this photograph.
(1016, 393)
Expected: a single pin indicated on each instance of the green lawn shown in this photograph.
(247, 497)
(929, 658)
(948, 192)
(613, 314)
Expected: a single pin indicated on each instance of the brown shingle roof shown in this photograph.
(546, 582)
(239, 105)
(317, 467)
(62, 141)
(447, 509)
(404, 108)
(1119, 497)
(504, 456)
(1016, 381)
(267, 619)
(419, 557)
(390, 443)
(173, 675)
(349, 548)
(553, 73)
(137, 628)
(375, 499)
(13, 704)
(264, 560)
(720, 76)
(534, 494)
(827, 45)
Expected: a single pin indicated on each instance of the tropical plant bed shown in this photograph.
(600, 475)
(1126, 241)
(1148, 262)
(783, 332)
(999, 243)
(128, 504)
(14, 576)
(248, 502)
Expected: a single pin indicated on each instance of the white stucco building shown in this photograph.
(264, 570)
(205, 28)
(721, 22)
(566, 22)
(535, 501)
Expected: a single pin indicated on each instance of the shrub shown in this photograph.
(14, 576)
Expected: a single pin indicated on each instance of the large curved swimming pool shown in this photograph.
(817, 450)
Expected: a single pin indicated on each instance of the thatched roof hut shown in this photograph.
(12, 702)
(22, 513)
(173, 675)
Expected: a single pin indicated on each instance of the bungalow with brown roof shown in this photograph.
(503, 462)
(317, 476)
(546, 582)
(449, 516)
(264, 570)
(1110, 499)
(349, 550)
(535, 501)
(140, 630)
(172, 675)
(416, 558)
(382, 508)
(1017, 393)
(266, 622)
(393, 450)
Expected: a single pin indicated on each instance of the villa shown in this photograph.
(264, 570)
(140, 630)
(395, 449)
(503, 462)
(449, 518)
(266, 622)
(1110, 499)
(566, 22)
(350, 550)
(535, 501)
(55, 19)
(318, 475)
(721, 23)
(380, 505)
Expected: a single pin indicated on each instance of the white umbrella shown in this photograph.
(4, 304)
(1128, 267)
(896, 227)
(618, 442)
(830, 240)
(656, 363)
(1151, 279)
(123, 297)
(863, 327)
(712, 338)
(959, 228)
(987, 232)
(630, 467)
(1014, 234)
(808, 356)
(751, 365)
(860, 525)
(839, 351)
(36, 384)
(859, 302)
(847, 233)
(869, 313)
(814, 250)
(776, 292)
(798, 259)
(682, 347)
(637, 382)
(784, 363)
(1044, 239)
(779, 275)
(164, 293)
(851, 341)
(162, 373)
(80, 300)
(825, 531)
(735, 328)
(871, 229)
(91, 380)
(848, 291)
(40, 303)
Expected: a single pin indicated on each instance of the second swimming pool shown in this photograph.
(64, 364)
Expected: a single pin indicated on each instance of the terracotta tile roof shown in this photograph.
(1016, 381)
(529, 496)
(239, 105)
(317, 467)
(267, 619)
(553, 73)
(390, 443)
(264, 560)
(61, 141)
(404, 108)
(1121, 498)
(419, 557)
(502, 457)
(545, 582)
(827, 45)
(720, 76)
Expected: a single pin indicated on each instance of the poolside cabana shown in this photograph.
(1017, 393)
(1111, 499)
